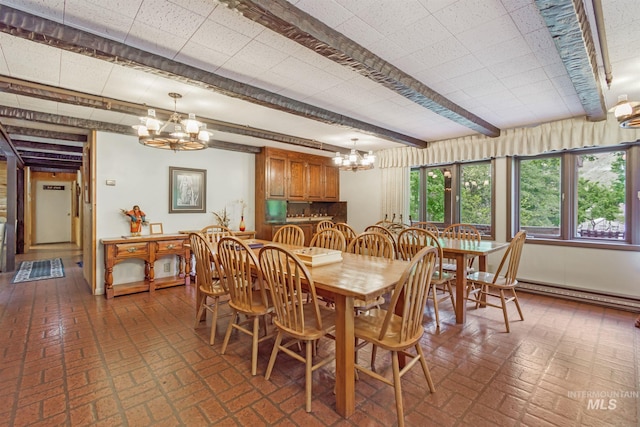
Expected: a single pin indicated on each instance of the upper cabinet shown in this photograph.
(296, 176)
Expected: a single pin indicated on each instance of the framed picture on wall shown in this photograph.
(187, 190)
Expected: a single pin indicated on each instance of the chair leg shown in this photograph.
(233, 319)
(504, 309)
(214, 320)
(254, 345)
(274, 355)
(201, 302)
(397, 388)
(450, 290)
(425, 368)
(308, 374)
(434, 295)
(515, 299)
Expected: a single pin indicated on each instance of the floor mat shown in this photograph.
(39, 270)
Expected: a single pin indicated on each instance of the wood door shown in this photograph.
(297, 179)
(315, 181)
(276, 177)
(331, 183)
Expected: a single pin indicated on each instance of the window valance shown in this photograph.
(553, 136)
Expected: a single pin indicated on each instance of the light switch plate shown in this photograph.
(111, 182)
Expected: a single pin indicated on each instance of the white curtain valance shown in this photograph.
(554, 136)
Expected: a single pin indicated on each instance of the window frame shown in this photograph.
(569, 203)
(452, 208)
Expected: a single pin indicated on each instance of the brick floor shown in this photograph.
(71, 358)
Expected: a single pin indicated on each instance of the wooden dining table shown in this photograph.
(356, 276)
(461, 250)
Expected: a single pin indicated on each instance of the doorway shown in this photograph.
(53, 203)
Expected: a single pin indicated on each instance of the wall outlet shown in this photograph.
(167, 267)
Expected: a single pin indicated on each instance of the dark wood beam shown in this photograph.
(31, 27)
(32, 145)
(568, 24)
(67, 96)
(21, 133)
(26, 155)
(56, 164)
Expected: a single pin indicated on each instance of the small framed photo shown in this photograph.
(187, 190)
(155, 228)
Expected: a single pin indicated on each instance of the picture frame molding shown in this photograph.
(198, 186)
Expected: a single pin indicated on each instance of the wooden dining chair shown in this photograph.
(372, 243)
(289, 234)
(429, 226)
(398, 332)
(213, 233)
(248, 297)
(208, 278)
(386, 231)
(410, 242)
(304, 322)
(347, 230)
(324, 224)
(329, 238)
(502, 283)
(466, 232)
(375, 244)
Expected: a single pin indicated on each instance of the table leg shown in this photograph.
(345, 352)
(461, 288)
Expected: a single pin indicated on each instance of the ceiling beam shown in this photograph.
(31, 27)
(55, 164)
(68, 96)
(51, 156)
(8, 149)
(22, 145)
(17, 132)
(569, 26)
(287, 20)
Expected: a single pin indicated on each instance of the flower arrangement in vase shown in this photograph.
(242, 225)
(222, 217)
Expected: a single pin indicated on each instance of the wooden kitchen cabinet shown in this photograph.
(297, 176)
(276, 176)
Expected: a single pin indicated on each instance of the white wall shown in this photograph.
(611, 271)
(361, 191)
(142, 178)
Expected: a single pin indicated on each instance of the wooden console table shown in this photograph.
(149, 249)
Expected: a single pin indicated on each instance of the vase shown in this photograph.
(242, 227)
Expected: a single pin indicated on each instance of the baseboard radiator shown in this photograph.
(607, 300)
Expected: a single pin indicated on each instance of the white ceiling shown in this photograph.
(494, 58)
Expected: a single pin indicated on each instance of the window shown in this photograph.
(579, 195)
(540, 196)
(454, 193)
(475, 196)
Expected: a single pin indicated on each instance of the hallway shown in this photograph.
(72, 358)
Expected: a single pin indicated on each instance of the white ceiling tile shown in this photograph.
(82, 73)
(8, 100)
(202, 57)
(496, 31)
(515, 66)
(22, 55)
(218, 37)
(107, 21)
(451, 69)
(234, 20)
(528, 18)
(386, 16)
(50, 9)
(328, 12)
(359, 31)
(201, 7)
(154, 40)
(464, 15)
(502, 52)
(442, 51)
(415, 36)
(173, 19)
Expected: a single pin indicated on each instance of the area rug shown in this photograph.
(39, 270)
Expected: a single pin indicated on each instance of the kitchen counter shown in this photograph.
(299, 219)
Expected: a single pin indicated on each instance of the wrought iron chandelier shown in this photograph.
(627, 113)
(176, 134)
(354, 161)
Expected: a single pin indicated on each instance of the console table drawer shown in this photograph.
(131, 250)
(170, 246)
